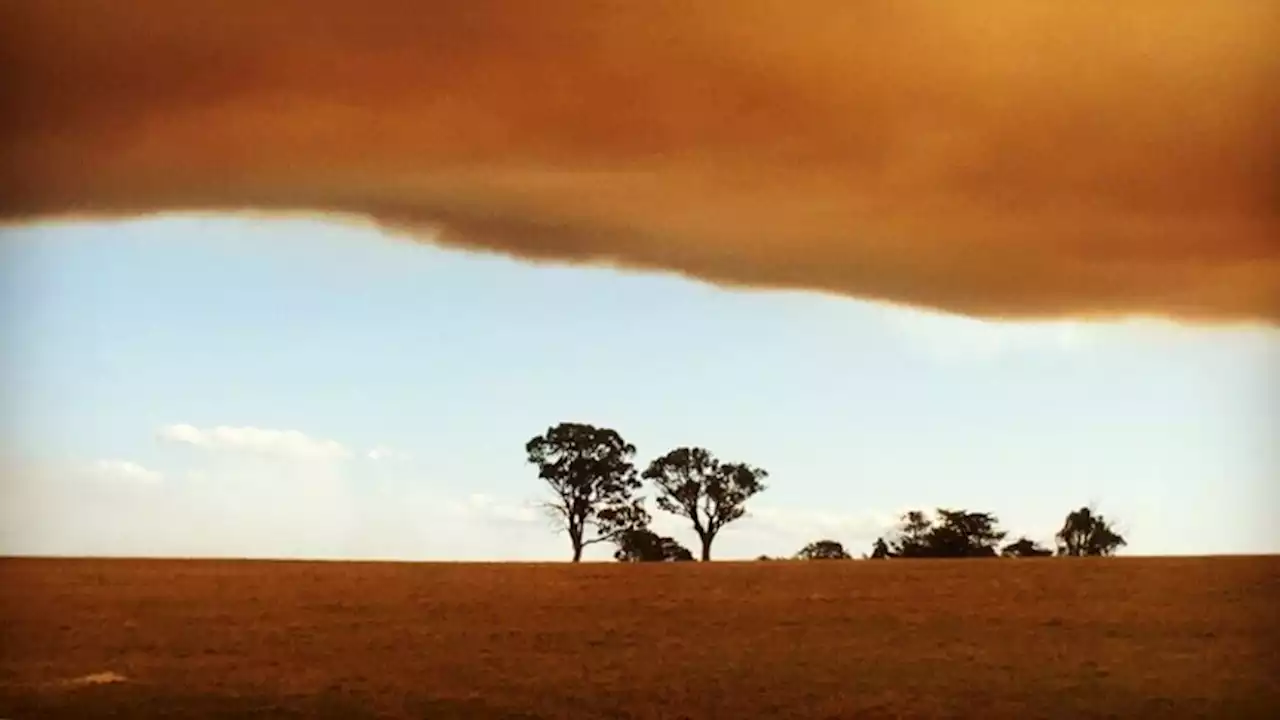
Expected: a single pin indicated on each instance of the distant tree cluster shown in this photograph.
(595, 488)
(964, 534)
(953, 534)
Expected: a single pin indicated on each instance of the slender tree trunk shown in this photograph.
(706, 546)
(575, 538)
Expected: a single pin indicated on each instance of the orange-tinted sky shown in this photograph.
(1003, 158)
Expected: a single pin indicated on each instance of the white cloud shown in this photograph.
(126, 471)
(290, 444)
(808, 525)
(480, 506)
(382, 452)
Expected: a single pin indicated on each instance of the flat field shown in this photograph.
(1127, 638)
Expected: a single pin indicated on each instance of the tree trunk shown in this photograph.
(706, 546)
(575, 539)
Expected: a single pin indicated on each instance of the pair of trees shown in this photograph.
(595, 485)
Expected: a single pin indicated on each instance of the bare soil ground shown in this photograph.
(1053, 638)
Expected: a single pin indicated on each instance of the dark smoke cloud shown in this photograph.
(1005, 158)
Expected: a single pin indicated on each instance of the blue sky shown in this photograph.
(294, 388)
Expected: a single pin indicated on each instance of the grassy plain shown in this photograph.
(1130, 638)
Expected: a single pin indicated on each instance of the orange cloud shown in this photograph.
(1004, 158)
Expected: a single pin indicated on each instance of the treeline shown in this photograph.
(596, 498)
(964, 534)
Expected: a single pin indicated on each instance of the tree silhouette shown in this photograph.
(963, 534)
(1086, 533)
(692, 483)
(1025, 548)
(590, 473)
(880, 551)
(823, 550)
(644, 545)
(955, 534)
(913, 536)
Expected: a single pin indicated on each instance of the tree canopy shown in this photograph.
(1025, 548)
(644, 545)
(692, 483)
(593, 482)
(823, 550)
(954, 534)
(1087, 533)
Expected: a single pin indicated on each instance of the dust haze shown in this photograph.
(1003, 159)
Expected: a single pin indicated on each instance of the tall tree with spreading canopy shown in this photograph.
(593, 481)
(1087, 533)
(692, 483)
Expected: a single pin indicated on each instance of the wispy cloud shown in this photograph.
(485, 507)
(382, 453)
(290, 444)
(125, 471)
(807, 525)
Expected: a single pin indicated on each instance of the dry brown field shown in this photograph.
(1051, 638)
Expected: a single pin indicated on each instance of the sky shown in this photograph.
(237, 385)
